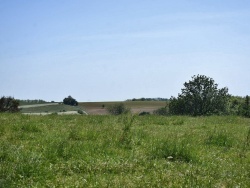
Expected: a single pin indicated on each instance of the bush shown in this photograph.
(144, 113)
(161, 111)
(80, 111)
(70, 101)
(200, 96)
(118, 109)
(8, 104)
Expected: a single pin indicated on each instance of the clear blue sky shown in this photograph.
(96, 50)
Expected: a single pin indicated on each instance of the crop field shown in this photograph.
(48, 108)
(92, 108)
(99, 108)
(124, 151)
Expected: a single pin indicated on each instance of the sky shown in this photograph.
(114, 50)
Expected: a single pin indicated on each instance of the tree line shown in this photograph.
(200, 96)
(29, 101)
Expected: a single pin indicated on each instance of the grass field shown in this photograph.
(124, 151)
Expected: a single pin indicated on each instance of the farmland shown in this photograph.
(124, 151)
(48, 108)
(99, 108)
(92, 108)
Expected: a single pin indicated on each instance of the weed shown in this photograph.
(58, 149)
(174, 150)
(4, 151)
(247, 141)
(2, 130)
(30, 127)
(219, 138)
(246, 145)
(177, 122)
(74, 134)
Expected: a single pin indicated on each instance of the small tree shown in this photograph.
(118, 109)
(70, 101)
(200, 96)
(9, 104)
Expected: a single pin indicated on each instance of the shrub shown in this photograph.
(118, 109)
(70, 101)
(161, 111)
(144, 113)
(80, 111)
(8, 104)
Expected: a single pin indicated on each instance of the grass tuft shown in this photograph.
(219, 138)
(174, 150)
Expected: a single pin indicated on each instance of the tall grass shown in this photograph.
(124, 151)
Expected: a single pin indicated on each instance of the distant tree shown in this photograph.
(118, 109)
(70, 101)
(9, 104)
(200, 96)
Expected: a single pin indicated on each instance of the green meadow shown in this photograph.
(124, 151)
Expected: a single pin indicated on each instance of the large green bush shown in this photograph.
(8, 104)
(70, 101)
(200, 96)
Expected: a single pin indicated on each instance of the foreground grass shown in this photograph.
(125, 151)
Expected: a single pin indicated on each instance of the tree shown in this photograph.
(70, 101)
(200, 96)
(9, 104)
